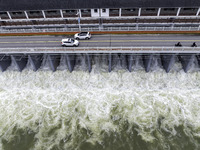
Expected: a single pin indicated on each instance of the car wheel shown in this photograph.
(77, 38)
(87, 38)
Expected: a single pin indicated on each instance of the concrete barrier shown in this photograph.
(100, 32)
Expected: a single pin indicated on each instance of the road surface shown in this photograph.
(120, 40)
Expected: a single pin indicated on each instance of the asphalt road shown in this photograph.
(130, 40)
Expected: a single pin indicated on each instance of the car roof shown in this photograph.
(68, 39)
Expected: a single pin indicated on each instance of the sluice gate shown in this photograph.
(125, 60)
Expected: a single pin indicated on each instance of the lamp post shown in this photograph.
(79, 20)
(100, 19)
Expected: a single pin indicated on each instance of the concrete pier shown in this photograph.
(109, 62)
(70, 61)
(198, 59)
(36, 61)
(130, 59)
(168, 61)
(147, 60)
(187, 60)
(89, 62)
(20, 61)
(53, 61)
(5, 62)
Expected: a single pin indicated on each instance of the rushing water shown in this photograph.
(99, 110)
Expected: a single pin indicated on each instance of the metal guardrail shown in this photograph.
(56, 50)
(42, 30)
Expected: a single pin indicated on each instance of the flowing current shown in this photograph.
(99, 110)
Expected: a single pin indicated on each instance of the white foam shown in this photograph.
(43, 100)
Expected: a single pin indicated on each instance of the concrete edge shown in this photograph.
(101, 32)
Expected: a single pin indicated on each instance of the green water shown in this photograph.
(99, 111)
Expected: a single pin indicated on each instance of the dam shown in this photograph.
(126, 57)
(113, 92)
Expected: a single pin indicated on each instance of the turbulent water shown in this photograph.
(99, 110)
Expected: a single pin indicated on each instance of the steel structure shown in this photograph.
(35, 13)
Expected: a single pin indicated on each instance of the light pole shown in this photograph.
(79, 20)
(100, 20)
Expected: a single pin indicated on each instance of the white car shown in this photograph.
(82, 35)
(69, 42)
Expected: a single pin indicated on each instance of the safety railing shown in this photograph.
(101, 28)
(56, 50)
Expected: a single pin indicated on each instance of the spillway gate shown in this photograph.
(126, 57)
